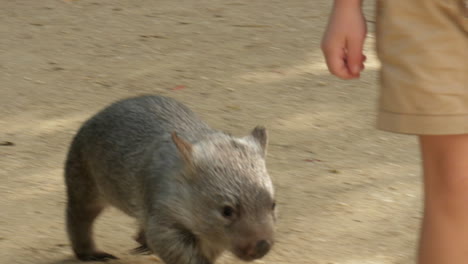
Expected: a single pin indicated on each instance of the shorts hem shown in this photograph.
(422, 124)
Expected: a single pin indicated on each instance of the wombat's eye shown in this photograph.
(228, 211)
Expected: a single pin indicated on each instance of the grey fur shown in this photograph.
(194, 191)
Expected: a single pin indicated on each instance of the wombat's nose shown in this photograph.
(261, 249)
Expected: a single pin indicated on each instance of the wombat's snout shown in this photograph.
(255, 251)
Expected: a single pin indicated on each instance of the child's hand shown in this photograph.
(343, 40)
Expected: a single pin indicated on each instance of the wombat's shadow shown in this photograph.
(74, 261)
(123, 260)
(66, 261)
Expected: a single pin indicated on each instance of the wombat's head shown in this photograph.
(231, 195)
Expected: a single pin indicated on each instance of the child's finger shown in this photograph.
(336, 63)
(354, 55)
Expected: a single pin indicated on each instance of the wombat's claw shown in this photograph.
(141, 250)
(97, 256)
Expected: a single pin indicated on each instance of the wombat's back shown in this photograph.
(146, 117)
(117, 142)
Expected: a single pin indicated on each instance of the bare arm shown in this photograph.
(343, 41)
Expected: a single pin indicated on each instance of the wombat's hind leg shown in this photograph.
(143, 248)
(83, 206)
(80, 218)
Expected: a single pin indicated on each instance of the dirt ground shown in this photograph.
(347, 193)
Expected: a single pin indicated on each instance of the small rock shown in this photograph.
(61, 245)
(6, 143)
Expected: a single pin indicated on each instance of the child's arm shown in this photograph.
(343, 40)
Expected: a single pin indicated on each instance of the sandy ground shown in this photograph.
(347, 193)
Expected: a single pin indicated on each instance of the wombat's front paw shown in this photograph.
(96, 256)
(141, 250)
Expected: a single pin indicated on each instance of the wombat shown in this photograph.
(194, 191)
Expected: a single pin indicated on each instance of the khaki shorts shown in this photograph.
(423, 48)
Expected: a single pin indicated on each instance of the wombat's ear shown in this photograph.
(260, 135)
(184, 147)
